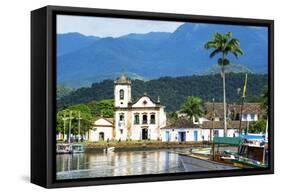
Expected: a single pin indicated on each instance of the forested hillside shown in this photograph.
(172, 91)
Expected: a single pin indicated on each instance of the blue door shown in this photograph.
(167, 136)
(195, 135)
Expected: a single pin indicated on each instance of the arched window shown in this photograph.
(137, 119)
(121, 117)
(144, 119)
(121, 93)
(152, 118)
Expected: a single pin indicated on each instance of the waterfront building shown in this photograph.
(140, 119)
(181, 131)
(251, 111)
(184, 130)
(218, 128)
(102, 130)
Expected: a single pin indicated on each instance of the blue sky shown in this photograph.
(102, 27)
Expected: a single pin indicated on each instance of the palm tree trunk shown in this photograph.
(224, 99)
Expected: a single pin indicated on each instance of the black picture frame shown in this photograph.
(43, 95)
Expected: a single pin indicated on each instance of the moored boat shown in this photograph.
(109, 149)
(77, 148)
(63, 148)
(243, 162)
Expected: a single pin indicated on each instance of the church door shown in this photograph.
(101, 136)
(144, 134)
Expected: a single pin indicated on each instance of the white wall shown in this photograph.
(153, 129)
(94, 133)
(249, 117)
(140, 103)
(121, 125)
(202, 134)
(15, 95)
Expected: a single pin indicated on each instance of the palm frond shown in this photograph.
(210, 44)
(214, 53)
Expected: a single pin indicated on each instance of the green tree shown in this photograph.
(103, 108)
(258, 126)
(193, 107)
(85, 120)
(224, 44)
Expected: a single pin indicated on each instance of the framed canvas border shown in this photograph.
(43, 95)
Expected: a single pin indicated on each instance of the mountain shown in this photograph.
(173, 90)
(148, 36)
(63, 91)
(231, 68)
(71, 42)
(87, 81)
(155, 55)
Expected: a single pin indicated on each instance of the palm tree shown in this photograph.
(192, 106)
(224, 44)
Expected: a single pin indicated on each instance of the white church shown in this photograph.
(141, 119)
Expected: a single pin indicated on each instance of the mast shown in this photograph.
(242, 103)
(64, 124)
(79, 133)
(69, 128)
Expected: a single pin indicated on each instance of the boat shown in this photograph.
(255, 147)
(77, 148)
(252, 152)
(202, 151)
(194, 163)
(109, 149)
(243, 162)
(63, 148)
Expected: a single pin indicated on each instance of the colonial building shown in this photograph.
(216, 128)
(136, 120)
(251, 111)
(204, 127)
(102, 130)
(182, 130)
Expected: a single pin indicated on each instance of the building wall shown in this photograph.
(176, 135)
(249, 117)
(94, 133)
(132, 130)
(190, 134)
(140, 103)
(121, 131)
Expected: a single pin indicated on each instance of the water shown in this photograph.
(89, 165)
(85, 165)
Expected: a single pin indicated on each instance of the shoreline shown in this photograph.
(142, 146)
(98, 147)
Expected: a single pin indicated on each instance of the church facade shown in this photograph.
(138, 120)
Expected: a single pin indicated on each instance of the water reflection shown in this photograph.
(87, 165)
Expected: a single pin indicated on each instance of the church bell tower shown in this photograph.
(122, 92)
